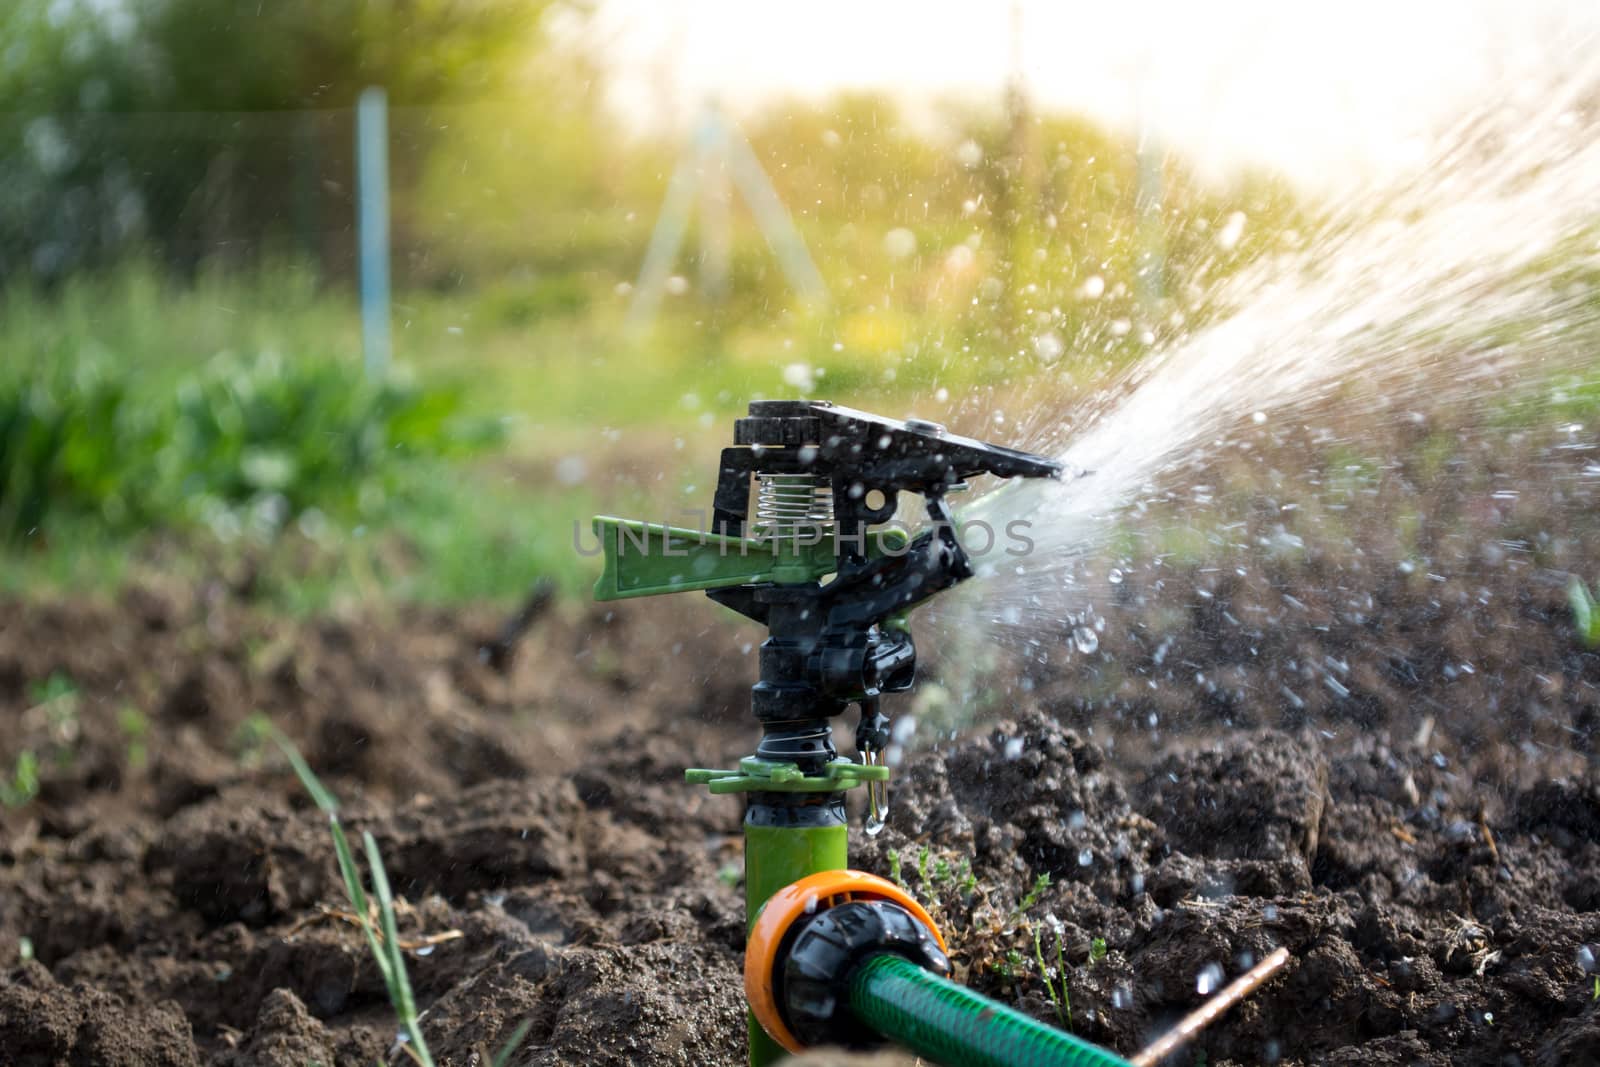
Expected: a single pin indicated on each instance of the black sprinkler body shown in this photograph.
(827, 474)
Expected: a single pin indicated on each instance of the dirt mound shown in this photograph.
(1429, 921)
(179, 899)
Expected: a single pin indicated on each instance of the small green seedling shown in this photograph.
(24, 949)
(1057, 992)
(251, 737)
(22, 786)
(1040, 884)
(1011, 966)
(383, 936)
(135, 727)
(57, 699)
(57, 687)
(968, 883)
(1097, 950)
(1596, 987)
(1585, 613)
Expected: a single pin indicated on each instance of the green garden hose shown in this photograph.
(953, 1026)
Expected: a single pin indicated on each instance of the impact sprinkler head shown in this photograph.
(821, 567)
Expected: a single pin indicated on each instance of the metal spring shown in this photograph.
(790, 503)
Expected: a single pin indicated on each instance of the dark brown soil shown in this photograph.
(1424, 839)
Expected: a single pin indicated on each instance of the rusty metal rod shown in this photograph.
(1207, 1013)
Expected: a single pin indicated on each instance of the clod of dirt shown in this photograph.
(1252, 797)
(46, 1024)
(285, 1034)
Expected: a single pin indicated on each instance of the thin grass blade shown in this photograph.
(400, 988)
(509, 1048)
(319, 793)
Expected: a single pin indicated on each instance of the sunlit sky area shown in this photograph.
(1323, 92)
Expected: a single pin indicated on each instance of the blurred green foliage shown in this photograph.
(264, 437)
(178, 340)
(132, 121)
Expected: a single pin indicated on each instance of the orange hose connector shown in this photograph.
(814, 893)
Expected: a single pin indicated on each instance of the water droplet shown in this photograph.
(1209, 980)
(1048, 347)
(800, 376)
(1086, 858)
(1085, 639)
(1013, 748)
(899, 243)
(1232, 230)
(1114, 576)
(425, 950)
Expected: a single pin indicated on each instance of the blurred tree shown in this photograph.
(141, 119)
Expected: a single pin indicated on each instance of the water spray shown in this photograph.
(836, 956)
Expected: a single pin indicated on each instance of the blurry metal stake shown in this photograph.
(776, 225)
(498, 653)
(715, 220)
(716, 153)
(372, 224)
(1208, 1012)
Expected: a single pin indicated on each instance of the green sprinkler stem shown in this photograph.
(787, 836)
(953, 1026)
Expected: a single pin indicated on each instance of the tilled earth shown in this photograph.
(1424, 837)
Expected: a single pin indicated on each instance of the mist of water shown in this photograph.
(1449, 286)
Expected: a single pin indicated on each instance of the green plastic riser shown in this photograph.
(775, 856)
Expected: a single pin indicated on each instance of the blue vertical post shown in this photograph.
(372, 226)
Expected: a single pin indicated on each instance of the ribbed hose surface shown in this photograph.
(955, 1027)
